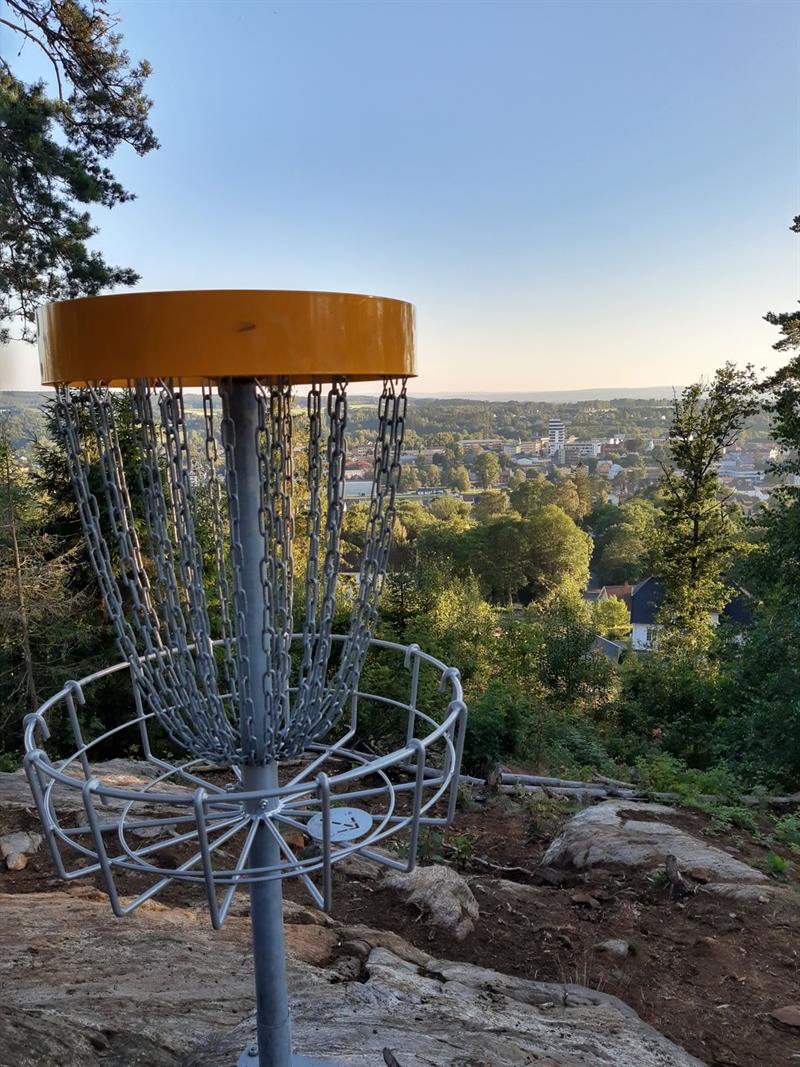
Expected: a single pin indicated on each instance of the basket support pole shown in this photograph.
(266, 905)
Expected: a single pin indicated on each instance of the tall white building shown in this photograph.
(556, 435)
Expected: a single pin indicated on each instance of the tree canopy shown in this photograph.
(55, 141)
(697, 531)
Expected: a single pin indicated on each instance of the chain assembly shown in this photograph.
(177, 598)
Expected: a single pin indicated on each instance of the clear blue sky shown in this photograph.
(573, 194)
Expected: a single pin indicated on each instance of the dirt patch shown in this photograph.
(706, 972)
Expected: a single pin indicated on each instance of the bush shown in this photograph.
(494, 728)
(664, 773)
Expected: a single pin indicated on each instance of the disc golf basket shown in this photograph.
(248, 723)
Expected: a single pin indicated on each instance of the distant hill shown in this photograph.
(564, 396)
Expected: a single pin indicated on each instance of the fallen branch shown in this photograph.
(601, 788)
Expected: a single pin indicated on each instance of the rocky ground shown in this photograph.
(531, 934)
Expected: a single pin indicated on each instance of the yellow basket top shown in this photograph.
(197, 335)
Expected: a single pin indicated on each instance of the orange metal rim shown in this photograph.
(202, 335)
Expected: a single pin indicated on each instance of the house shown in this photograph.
(648, 596)
(621, 592)
(646, 599)
(612, 650)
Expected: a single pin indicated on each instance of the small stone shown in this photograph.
(16, 861)
(788, 1016)
(614, 947)
(586, 900)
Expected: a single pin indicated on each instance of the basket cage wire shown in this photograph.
(208, 644)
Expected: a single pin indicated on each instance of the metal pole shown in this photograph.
(266, 906)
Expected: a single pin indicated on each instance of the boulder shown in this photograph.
(15, 848)
(620, 832)
(160, 988)
(441, 894)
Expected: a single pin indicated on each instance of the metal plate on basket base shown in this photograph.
(347, 824)
(249, 1058)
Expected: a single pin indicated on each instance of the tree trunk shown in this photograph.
(25, 641)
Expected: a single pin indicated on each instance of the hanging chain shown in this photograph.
(161, 601)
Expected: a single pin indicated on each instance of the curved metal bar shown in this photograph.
(192, 815)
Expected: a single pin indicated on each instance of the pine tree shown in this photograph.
(53, 152)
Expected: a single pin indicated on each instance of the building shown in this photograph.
(647, 598)
(604, 592)
(556, 436)
(356, 489)
(535, 446)
(621, 592)
(362, 451)
(488, 444)
(575, 451)
(612, 650)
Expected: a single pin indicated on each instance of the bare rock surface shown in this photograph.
(454, 1015)
(749, 892)
(161, 989)
(441, 894)
(621, 832)
(122, 773)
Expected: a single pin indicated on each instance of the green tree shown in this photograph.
(760, 688)
(558, 552)
(487, 468)
(778, 556)
(574, 676)
(409, 479)
(489, 504)
(567, 498)
(433, 475)
(531, 494)
(53, 152)
(625, 546)
(583, 487)
(611, 618)
(459, 477)
(449, 509)
(698, 533)
(52, 625)
(788, 322)
(497, 551)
